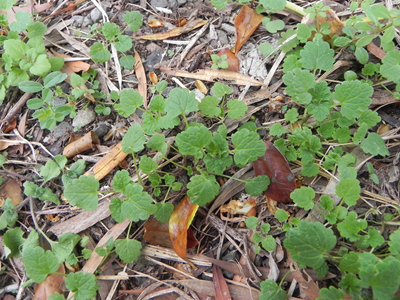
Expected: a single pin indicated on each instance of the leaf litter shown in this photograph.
(218, 236)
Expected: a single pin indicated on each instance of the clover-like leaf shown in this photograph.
(39, 263)
(298, 83)
(134, 139)
(84, 285)
(255, 186)
(349, 189)
(193, 140)
(248, 147)
(128, 250)
(180, 102)
(83, 192)
(317, 55)
(202, 189)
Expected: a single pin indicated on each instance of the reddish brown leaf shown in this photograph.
(180, 22)
(246, 22)
(141, 76)
(220, 286)
(232, 60)
(10, 126)
(179, 223)
(275, 166)
(153, 78)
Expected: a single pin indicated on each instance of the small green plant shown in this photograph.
(219, 62)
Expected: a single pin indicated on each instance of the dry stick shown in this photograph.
(16, 108)
(192, 42)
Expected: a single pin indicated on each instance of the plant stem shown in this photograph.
(295, 8)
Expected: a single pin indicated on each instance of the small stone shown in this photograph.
(95, 15)
(101, 129)
(61, 129)
(78, 20)
(58, 101)
(159, 3)
(222, 37)
(84, 117)
(86, 22)
(153, 59)
(173, 4)
(181, 2)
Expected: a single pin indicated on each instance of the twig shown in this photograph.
(16, 108)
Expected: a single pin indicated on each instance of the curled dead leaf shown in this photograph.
(201, 86)
(246, 22)
(232, 60)
(235, 207)
(153, 78)
(154, 23)
(179, 222)
(87, 142)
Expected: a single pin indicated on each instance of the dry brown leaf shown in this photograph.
(220, 285)
(141, 76)
(189, 26)
(178, 225)
(235, 207)
(87, 142)
(11, 189)
(153, 78)
(5, 143)
(336, 26)
(108, 162)
(156, 233)
(181, 22)
(213, 75)
(36, 8)
(246, 22)
(153, 23)
(375, 50)
(10, 126)
(50, 285)
(232, 60)
(201, 86)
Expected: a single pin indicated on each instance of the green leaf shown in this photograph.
(147, 165)
(291, 115)
(352, 226)
(350, 263)
(326, 202)
(36, 29)
(53, 168)
(281, 215)
(308, 243)
(180, 102)
(8, 4)
(53, 78)
(129, 101)
(354, 98)
(274, 26)
(220, 89)
(349, 189)
(76, 80)
(157, 143)
(30, 86)
(386, 279)
(83, 192)
(394, 243)
(331, 293)
(219, 4)
(99, 53)
(193, 140)
(110, 30)
(266, 49)
(44, 194)
(209, 106)
(251, 222)
(248, 147)
(16, 49)
(351, 285)
(269, 243)
(271, 291)
(255, 186)
(303, 197)
(9, 216)
(84, 285)
(164, 211)
(65, 246)
(123, 43)
(41, 66)
(375, 145)
(202, 189)
(134, 139)
(38, 263)
(13, 240)
(56, 296)
(236, 109)
(390, 67)
(317, 55)
(127, 62)
(128, 250)
(134, 20)
(277, 130)
(217, 164)
(361, 55)
(273, 5)
(116, 210)
(298, 83)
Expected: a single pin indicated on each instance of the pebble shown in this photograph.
(84, 117)
(95, 15)
(222, 37)
(181, 2)
(101, 129)
(58, 101)
(159, 3)
(86, 22)
(61, 129)
(153, 59)
(173, 4)
(78, 20)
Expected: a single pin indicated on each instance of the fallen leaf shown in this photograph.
(153, 78)
(180, 22)
(141, 76)
(36, 8)
(336, 25)
(213, 75)
(189, 26)
(236, 207)
(10, 126)
(232, 60)
(52, 284)
(108, 162)
(246, 22)
(153, 23)
(201, 86)
(220, 285)
(11, 189)
(86, 142)
(178, 225)
(375, 50)
(275, 166)
(5, 143)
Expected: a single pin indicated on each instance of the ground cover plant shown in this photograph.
(176, 147)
